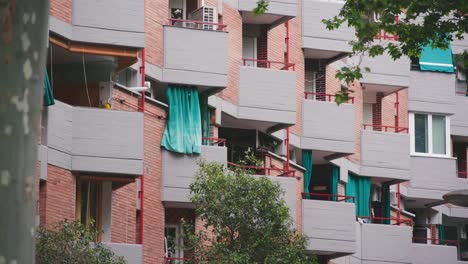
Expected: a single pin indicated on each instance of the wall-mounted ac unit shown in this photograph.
(205, 14)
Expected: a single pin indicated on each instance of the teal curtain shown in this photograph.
(440, 229)
(436, 59)
(183, 127)
(205, 118)
(334, 182)
(48, 94)
(307, 164)
(386, 203)
(359, 187)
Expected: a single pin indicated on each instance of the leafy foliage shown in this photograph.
(261, 8)
(246, 218)
(71, 242)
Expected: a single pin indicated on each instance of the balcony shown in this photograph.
(195, 53)
(94, 140)
(386, 75)
(431, 177)
(178, 172)
(431, 92)
(132, 253)
(384, 244)
(459, 121)
(433, 254)
(267, 94)
(109, 22)
(459, 46)
(327, 127)
(278, 11)
(319, 42)
(385, 153)
(330, 227)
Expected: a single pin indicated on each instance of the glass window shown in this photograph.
(420, 133)
(430, 134)
(438, 134)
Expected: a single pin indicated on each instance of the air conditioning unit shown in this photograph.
(205, 14)
(393, 198)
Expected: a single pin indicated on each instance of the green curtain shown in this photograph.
(385, 203)
(307, 164)
(334, 182)
(48, 94)
(205, 118)
(440, 229)
(436, 59)
(183, 127)
(359, 187)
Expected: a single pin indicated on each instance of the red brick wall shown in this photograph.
(123, 229)
(62, 10)
(153, 217)
(233, 20)
(377, 112)
(153, 210)
(156, 15)
(57, 200)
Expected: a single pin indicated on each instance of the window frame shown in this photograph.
(430, 142)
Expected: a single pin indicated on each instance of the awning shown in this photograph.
(436, 59)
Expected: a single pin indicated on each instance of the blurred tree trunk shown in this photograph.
(23, 39)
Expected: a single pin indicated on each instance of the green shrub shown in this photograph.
(71, 242)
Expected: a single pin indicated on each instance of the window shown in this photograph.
(89, 204)
(429, 134)
(173, 243)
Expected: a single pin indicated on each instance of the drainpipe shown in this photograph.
(142, 179)
(286, 24)
(397, 124)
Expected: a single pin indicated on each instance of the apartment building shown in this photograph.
(364, 180)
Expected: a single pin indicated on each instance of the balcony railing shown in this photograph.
(195, 24)
(463, 174)
(324, 97)
(385, 128)
(212, 141)
(173, 260)
(136, 107)
(329, 197)
(263, 170)
(461, 93)
(435, 241)
(267, 64)
(380, 220)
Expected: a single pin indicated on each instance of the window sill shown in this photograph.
(427, 155)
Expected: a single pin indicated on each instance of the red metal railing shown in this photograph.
(383, 35)
(264, 170)
(327, 96)
(385, 128)
(268, 63)
(462, 93)
(339, 198)
(381, 219)
(436, 241)
(215, 141)
(138, 108)
(196, 24)
(462, 174)
(169, 260)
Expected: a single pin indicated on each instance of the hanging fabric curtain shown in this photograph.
(334, 182)
(205, 119)
(385, 203)
(183, 127)
(440, 231)
(436, 59)
(307, 164)
(359, 187)
(48, 94)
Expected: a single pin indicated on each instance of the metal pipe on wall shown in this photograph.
(142, 179)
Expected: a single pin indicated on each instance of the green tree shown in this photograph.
(247, 219)
(420, 22)
(72, 242)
